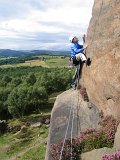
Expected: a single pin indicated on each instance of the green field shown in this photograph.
(48, 61)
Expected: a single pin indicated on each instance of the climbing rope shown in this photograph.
(71, 114)
(72, 133)
(78, 118)
(61, 153)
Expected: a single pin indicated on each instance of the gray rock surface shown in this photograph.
(86, 116)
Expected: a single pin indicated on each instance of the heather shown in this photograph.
(115, 156)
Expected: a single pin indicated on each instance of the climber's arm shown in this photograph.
(77, 50)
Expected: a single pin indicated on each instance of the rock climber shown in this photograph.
(78, 58)
(77, 50)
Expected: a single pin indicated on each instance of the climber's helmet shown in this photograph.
(73, 39)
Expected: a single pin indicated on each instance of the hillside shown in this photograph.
(10, 53)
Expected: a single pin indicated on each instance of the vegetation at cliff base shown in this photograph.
(115, 156)
(25, 139)
(88, 140)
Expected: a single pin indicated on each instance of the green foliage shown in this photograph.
(17, 101)
(25, 144)
(37, 153)
(15, 60)
(25, 90)
(25, 98)
(16, 81)
(37, 98)
(31, 79)
(3, 102)
(5, 80)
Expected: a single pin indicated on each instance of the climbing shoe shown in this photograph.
(88, 62)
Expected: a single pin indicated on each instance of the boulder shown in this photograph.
(86, 115)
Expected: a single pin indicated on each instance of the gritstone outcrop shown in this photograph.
(102, 78)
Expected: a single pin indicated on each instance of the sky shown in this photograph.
(42, 24)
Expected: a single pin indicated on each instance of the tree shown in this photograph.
(31, 79)
(38, 97)
(17, 101)
(5, 80)
(16, 81)
(23, 100)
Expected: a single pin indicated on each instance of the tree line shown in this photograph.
(16, 60)
(24, 90)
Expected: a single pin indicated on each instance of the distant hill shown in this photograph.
(10, 53)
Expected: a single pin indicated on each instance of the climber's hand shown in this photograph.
(85, 46)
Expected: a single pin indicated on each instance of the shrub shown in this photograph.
(17, 102)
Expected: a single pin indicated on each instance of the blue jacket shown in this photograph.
(75, 49)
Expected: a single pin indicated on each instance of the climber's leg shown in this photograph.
(74, 80)
(81, 56)
(76, 77)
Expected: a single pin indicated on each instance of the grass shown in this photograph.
(2, 58)
(31, 63)
(29, 143)
(49, 62)
(58, 62)
(24, 143)
(37, 153)
(5, 140)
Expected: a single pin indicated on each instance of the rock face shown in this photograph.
(102, 78)
(98, 153)
(86, 116)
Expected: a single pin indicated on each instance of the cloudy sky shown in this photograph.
(42, 24)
